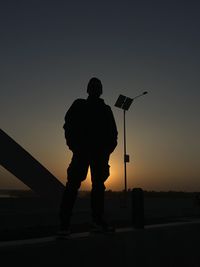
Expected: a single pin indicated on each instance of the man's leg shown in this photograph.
(76, 173)
(99, 172)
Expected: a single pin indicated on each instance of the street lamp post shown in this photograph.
(124, 103)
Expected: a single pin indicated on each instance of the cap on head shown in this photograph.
(94, 87)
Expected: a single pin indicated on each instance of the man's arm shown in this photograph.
(113, 133)
(71, 125)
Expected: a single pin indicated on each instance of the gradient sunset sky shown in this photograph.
(50, 49)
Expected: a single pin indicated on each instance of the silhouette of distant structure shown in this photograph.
(27, 169)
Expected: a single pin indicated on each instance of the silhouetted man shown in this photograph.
(91, 134)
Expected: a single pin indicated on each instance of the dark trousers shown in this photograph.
(76, 173)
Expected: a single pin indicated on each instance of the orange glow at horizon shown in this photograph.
(158, 172)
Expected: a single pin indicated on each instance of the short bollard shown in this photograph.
(138, 208)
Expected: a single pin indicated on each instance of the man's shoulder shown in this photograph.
(79, 102)
(107, 107)
(103, 104)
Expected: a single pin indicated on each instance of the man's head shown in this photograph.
(94, 87)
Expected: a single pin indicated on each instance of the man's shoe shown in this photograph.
(102, 227)
(63, 234)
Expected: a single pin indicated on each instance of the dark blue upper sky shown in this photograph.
(50, 49)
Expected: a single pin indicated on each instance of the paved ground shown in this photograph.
(167, 245)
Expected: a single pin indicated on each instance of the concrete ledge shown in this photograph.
(167, 245)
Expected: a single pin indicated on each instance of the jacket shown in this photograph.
(90, 126)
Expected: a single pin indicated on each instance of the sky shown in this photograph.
(50, 49)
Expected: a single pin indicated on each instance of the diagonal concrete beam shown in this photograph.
(27, 169)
